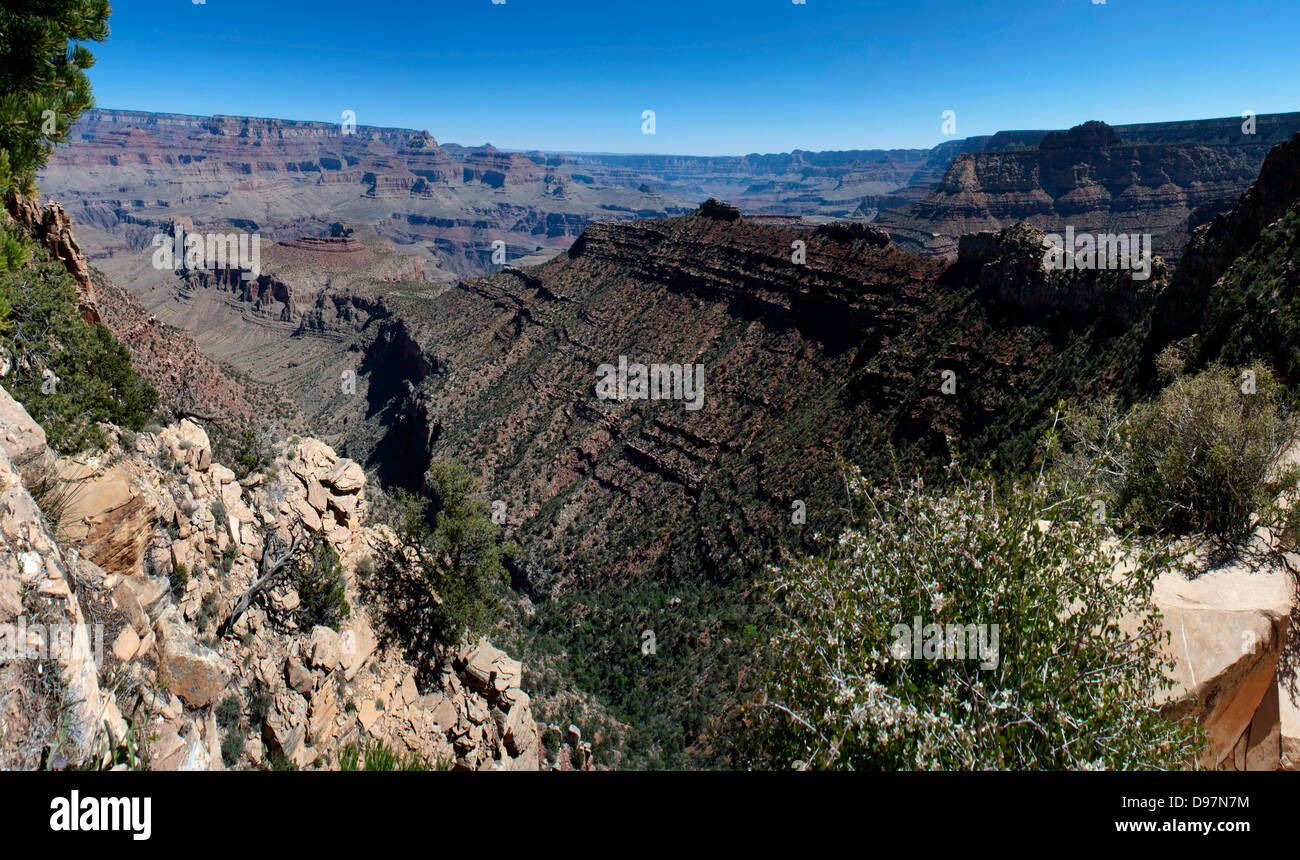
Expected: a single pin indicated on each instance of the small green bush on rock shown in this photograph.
(321, 589)
(1200, 458)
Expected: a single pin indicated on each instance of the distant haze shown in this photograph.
(724, 77)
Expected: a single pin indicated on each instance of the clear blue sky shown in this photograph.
(723, 76)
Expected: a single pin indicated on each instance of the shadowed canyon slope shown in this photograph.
(839, 357)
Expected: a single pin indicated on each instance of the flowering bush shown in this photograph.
(1078, 645)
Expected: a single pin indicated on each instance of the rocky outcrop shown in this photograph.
(1009, 266)
(1095, 178)
(1230, 639)
(52, 227)
(715, 208)
(196, 673)
(22, 439)
(182, 539)
(53, 711)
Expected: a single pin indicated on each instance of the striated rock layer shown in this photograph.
(1163, 179)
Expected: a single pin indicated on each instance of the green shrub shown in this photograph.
(229, 711)
(460, 548)
(67, 373)
(219, 513)
(279, 761)
(379, 756)
(233, 746)
(228, 556)
(180, 577)
(260, 701)
(248, 457)
(208, 610)
(320, 584)
(1199, 458)
(1063, 684)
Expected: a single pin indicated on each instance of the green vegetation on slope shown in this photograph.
(976, 627)
(445, 580)
(1254, 309)
(67, 373)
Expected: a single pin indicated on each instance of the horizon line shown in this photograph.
(660, 154)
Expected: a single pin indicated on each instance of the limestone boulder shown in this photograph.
(297, 675)
(188, 444)
(347, 477)
(192, 671)
(1227, 626)
(325, 648)
(358, 643)
(20, 436)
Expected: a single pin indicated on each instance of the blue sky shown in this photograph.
(723, 76)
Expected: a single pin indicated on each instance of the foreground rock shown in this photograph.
(48, 666)
(1230, 629)
(168, 541)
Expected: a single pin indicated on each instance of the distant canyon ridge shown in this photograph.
(128, 175)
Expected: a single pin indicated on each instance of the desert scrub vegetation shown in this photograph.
(1068, 683)
(1202, 457)
(321, 589)
(68, 374)
(461, 553)
(1254, 309)
(229, 715)
(379, 756)
(180, 577)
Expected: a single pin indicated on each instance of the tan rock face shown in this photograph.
(108, 516)
(1288, 700)
(328, 493)
(34, 584)
(326, 648)
(1228, 627)
(328, 689)
(192, 671)
(52, 226)
(21, 438)
(298, 676)
(188, 443)
(1264, 737)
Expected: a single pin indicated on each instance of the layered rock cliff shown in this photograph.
(1130, 179)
